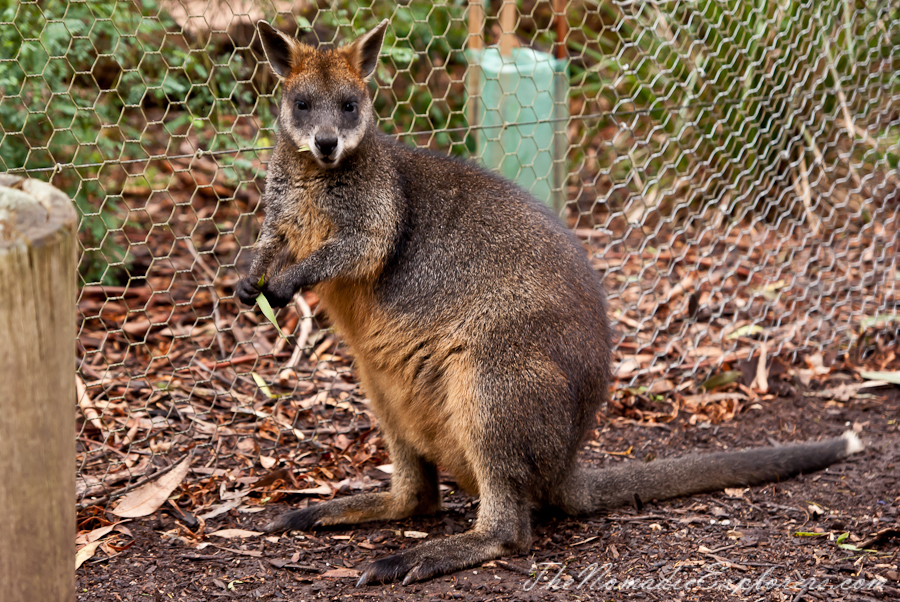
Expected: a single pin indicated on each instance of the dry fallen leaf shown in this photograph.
(320, 490)
(357, 484)
(85, 553)
(251, 553)
(87, 405)
(340, 573)
(147, 498)
(92, 536)
(220, 509)
(891, 377)
(235, 533)
(817, 363)
(415, 534)
(847, 391)
(267, 462)
(706, 352)
(625, 368)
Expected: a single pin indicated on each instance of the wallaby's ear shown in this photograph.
(363, 51)
(278, 47)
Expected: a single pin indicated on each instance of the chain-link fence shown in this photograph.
(730, 164)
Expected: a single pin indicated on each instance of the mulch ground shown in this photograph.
(728, 537)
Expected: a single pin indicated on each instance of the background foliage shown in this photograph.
(764, 95)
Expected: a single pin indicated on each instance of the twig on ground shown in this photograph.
(304, 326)
(878, 536)
(88, 409)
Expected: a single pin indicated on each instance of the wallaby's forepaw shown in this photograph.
(296, 520)
(278, 292)
(411, 565)
(247, 291)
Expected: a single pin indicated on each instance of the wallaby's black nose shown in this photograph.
(326, 144)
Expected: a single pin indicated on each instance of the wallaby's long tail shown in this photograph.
(590, 490)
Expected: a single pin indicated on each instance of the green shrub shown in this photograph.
(76, 90)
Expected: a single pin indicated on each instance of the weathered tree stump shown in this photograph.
(37, 392)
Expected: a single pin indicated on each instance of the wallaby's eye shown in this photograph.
(349, 107)
(301, 105)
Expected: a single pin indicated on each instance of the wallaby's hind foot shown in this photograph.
(503, 528)
(441, 556)
(414, 490)
(361, 508)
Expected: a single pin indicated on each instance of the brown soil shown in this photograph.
(727, 536)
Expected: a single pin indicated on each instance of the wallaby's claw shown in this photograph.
(411, 565)
(247, 291)
(387, 569)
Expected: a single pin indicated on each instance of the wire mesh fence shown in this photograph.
(730, 165)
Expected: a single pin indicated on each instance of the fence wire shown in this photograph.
(731, 166)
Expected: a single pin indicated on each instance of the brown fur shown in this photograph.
(305, 226)
(417, 384)
(478, 325)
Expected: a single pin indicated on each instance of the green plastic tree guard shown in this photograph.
(521, 115)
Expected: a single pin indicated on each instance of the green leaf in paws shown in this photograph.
(266, 309)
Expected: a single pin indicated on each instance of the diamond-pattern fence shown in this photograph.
(731, 166)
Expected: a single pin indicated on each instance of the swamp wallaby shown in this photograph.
(478, 326)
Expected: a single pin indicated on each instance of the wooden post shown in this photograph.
(560, 173)
(562, 28)
(509, 16)
(476, 24)
(475, 43)
(37, 392)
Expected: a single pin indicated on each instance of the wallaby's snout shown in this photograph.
(327, 144)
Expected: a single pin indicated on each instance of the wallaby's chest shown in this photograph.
(302, 222)
(419, 376)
